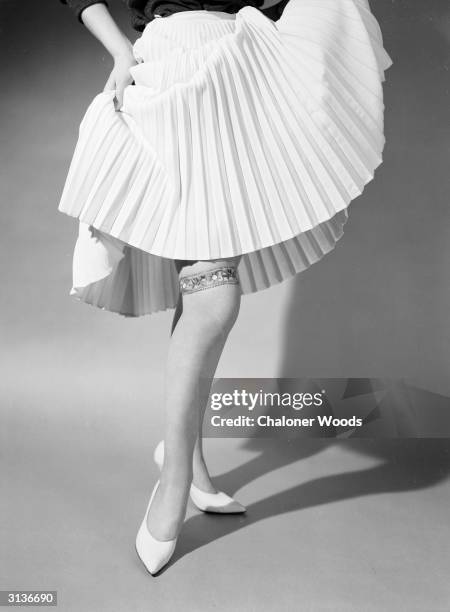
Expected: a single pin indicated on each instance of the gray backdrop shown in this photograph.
(377, 306)
(81, 389)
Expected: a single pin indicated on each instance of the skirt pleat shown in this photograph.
(241, 136)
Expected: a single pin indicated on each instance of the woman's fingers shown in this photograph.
(118, 100)
(120, 78)
(122, 67)
(120, 88)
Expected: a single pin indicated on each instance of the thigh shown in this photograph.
(211, 289)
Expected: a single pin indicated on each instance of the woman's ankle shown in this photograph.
(201, 477)
(167, 513)
(172, 480)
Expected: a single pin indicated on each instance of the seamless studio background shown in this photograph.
(82, 387)
(377, 306)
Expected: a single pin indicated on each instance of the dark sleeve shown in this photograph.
(78, 6)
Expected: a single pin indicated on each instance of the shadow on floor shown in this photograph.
(405, 465)
(345, 325)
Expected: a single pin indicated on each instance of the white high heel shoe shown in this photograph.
(153, 553)
(219, 502)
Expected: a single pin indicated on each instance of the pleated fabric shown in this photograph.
(241, 136)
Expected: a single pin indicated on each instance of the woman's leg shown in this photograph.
(201, 477)
(198, 337)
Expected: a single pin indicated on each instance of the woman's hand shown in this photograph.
(97, 19)
(120, 77)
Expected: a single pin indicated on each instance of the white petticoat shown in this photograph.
(240, 136)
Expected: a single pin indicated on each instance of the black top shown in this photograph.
(144, 11)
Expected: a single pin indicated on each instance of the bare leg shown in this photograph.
(196, 344)
(201, 477)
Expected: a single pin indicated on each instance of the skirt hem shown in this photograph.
(242, 137)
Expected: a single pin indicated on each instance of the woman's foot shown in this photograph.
(168, 508)
(154, 553)
(204, 495)
(201, 478)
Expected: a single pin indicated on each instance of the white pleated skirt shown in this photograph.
(240, 136)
